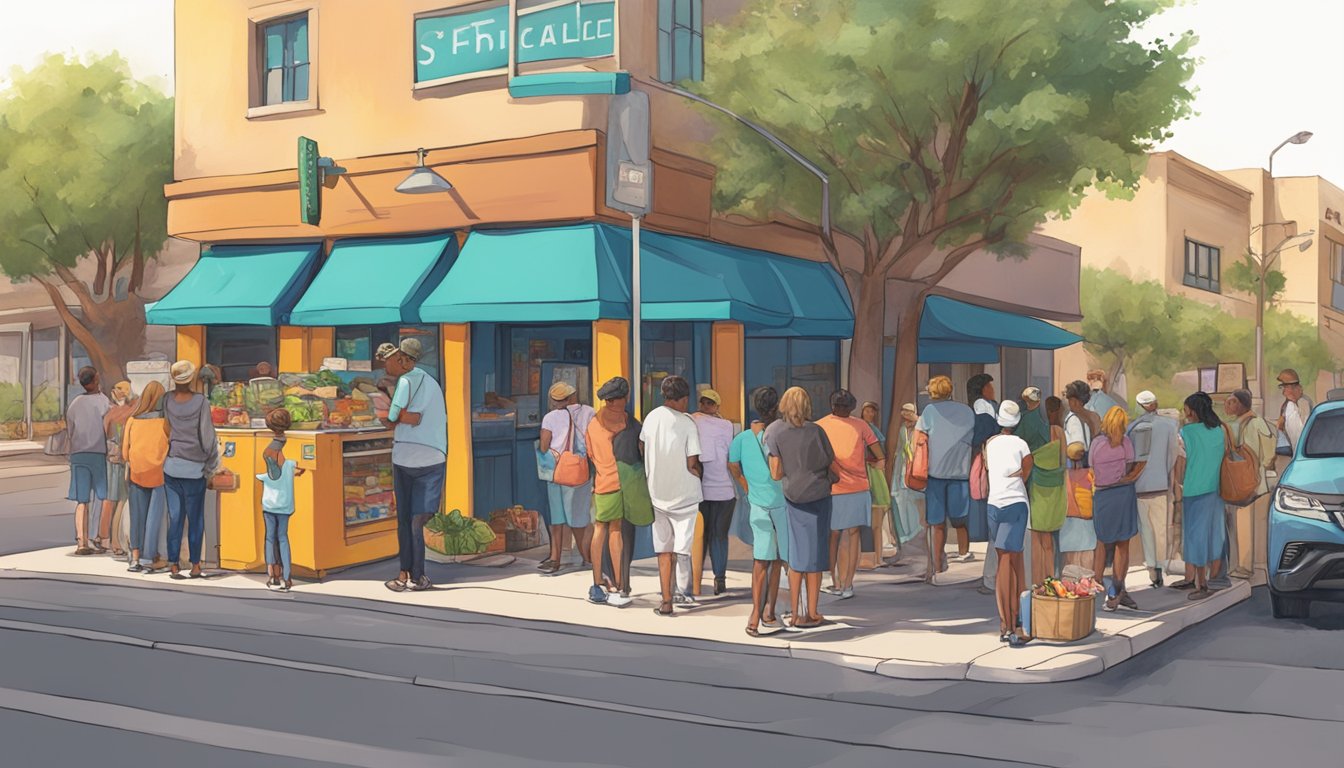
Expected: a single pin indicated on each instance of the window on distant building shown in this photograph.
(681, 40)
(1336, 274)
(285, 60)
(1203, 266)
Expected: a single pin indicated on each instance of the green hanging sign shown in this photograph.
(310, 182)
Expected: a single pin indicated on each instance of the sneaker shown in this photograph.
(135, 568)
(847, 593)
(396, 585)
(1111, 604)
(682, 598)
(83, 551)
(720, 586)
(273, 585)
(598, 595)
(618, 600)
(1128, 602)
(969, 557)
(421, 584)
(544, 564)
(1156, 578)
(831, 591)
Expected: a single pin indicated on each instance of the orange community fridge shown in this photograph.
(344, 509)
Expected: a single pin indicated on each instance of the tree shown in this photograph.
(1131, 326)
(945, 128)
(85, 151)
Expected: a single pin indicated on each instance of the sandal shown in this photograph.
(753, 631)
(547, 563)
(659, 610)
(1182, 584)
(1017, 641)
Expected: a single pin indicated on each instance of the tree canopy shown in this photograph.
(85, 151)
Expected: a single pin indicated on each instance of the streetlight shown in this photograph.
(1263, 263)
(1301, 137)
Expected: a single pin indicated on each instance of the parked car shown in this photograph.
(1306, 517)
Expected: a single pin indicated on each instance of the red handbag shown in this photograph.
(917, 469)
(571, 469)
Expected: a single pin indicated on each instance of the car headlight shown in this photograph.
(1299, 504)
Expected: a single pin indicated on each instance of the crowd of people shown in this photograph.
(1061, 485)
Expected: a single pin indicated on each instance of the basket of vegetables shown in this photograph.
(305, 412)
(1064, 610)
(453, 534)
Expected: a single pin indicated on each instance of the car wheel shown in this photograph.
(1285, 607)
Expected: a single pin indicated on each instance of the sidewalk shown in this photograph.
(895, 625)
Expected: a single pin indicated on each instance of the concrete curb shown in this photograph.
(1038, 662)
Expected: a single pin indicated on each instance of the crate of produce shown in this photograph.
(522, 527)
(1064, 610)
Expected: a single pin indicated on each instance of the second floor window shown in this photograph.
(681, 40)
(285, 60)
(1203, 266)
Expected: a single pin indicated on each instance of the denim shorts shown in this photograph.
(946, 500)
(88, 477)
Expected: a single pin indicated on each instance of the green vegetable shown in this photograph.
(461, 535)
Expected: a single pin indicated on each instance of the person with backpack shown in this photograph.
(1078, 537)
(563, 430)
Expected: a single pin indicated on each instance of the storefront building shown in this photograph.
(517, 276)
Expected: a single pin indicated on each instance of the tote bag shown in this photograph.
(1238, 478)
(917, 469)
(571, 469)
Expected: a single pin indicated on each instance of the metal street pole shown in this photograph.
(636, 375)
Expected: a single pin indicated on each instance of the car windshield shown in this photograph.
(1326, 438)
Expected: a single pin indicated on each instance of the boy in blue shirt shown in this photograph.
(277, 501)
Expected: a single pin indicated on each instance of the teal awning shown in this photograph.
(582, 272)
(239, 285)
(371, 281)
(952, 331)
(556, 274)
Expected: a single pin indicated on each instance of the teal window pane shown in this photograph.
(697, 16)
(681, 53)
(275, 46)
(665, 56)
(298, 32)
(665, 14)
(698, 58)
(684, 13)
(301, 82)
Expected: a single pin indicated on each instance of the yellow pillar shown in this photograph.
(727, 377)
(191, 344)
(321, 345)
(455, 348)
(726, 349)
(611, 352)
(292, 343)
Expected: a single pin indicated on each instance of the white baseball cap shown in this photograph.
(1009, 414)
(1145, 398)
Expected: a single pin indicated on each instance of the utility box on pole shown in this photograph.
(629, 170)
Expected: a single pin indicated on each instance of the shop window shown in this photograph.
(1043, 371)
(13, 392)
(78, 358)
(358, 343)
(236, 349)
(1336, 274)
(681, 40)
(284, 60)
(1203, 266)
(813, 364)
(46, 378)
(529, 355)
(673, 349)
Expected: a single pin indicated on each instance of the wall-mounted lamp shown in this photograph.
(423, 180)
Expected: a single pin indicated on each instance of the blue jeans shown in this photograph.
(186, 499)
(718, 517)
(141, 500)
(277, 541)
(419, 493)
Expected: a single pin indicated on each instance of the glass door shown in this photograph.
(15, 408)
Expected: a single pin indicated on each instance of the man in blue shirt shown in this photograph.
(419, 457)
(769, 520)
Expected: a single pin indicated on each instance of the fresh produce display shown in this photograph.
(305, 412)
(1067, 589)
(322, 400)
(453, 534)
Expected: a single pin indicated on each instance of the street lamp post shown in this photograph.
(1301, 137)
(1264, 263)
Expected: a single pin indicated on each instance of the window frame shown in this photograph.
(1192, 277)
(671, 31)
(257, 23)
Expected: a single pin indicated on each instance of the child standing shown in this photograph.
(277, 501)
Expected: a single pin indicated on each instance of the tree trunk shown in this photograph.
(118, 338)
(909, 306)
(865, 354)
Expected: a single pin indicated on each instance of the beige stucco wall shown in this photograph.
(1124, 235)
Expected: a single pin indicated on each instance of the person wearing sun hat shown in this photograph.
(1008, 462)
(193, 456)
(1034, 428)
(419, 417)
(563, 429)
(716, 485)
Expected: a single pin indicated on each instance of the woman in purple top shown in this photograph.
(716, 435)
(1115, 505)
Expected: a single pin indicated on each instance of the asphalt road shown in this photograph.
(134, 676)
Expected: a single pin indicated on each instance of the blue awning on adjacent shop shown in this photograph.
(239, 285)
(372, 281)
(582, 273)
(952, 331)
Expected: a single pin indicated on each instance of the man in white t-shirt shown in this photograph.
(1008, 463)
(1293, 416)
(671, 445)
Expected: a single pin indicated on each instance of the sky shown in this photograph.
(1270, 69)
